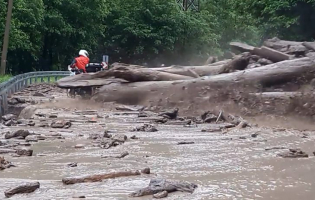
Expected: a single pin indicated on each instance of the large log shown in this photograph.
(281, 72)
(242, 47)
(240, 62)
(289, 47)
(86, 81)
(124, 73)
(134, 74)
(271, 54)
(281, 45)
(159, 185)
(99, 177)
(26, 188)
(309, 45)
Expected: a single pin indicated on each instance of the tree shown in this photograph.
(150, 30)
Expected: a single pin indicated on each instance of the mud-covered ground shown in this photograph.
(232, 163)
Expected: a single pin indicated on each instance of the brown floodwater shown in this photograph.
(224, 166)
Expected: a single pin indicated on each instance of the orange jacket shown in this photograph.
(81, 62)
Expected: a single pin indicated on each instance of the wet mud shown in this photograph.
(229, 163)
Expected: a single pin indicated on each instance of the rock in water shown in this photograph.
(160, 185)
(8, 117)
(24, 152)
(19, 133)
(145, 128)
(160, 195)
(293, 153)
(61, 124)
(146, 171)
(26, 188)
(72, 165)
(79, 146)
(116, 140)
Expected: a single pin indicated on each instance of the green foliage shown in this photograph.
(147, 30)
(47, 34)
(5, 78)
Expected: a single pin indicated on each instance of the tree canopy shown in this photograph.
(47, 34)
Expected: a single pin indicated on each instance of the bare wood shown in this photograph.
(280, 45)
(26, 188)
(271, 54)
(211, 60)
(242, 47)
(99, 177)
(133, 74)
(309, 45)
(280, 72)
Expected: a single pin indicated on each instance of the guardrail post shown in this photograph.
(16, 87)
(5, 102)
(1, 106)
(41, 79)
(35, 79)
(56, 78)
(30, 81)
(48, 79)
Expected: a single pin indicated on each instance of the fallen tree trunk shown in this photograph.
(130, 73)
(99, 177)
(238, 63)
(133, 74)
(309, 45)
(271, 54)
(160, 185)
(281, 72)
(241, 47)
(281, 45)
(27, 188)
(86, 81)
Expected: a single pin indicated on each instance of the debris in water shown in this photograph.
(122, 155)
(159, 185)
(8, 117)
(24, 152)
(79, 146)
(116, 140)
(72, 165)
(275, 148)
(181, 143)
(160, 195)
(293, 153)
(134, 137)
(26, 188)
(99, 177)
(146, 171)
(20, 133)
(61, 124)
(4, 164)
(145, 128)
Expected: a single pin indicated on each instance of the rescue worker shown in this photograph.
(81, 61)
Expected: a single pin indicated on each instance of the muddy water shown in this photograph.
(222, 165)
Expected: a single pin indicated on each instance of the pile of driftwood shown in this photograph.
(276, 62)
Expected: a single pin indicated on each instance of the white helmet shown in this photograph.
(83, 53)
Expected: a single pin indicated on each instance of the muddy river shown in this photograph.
(233, 165)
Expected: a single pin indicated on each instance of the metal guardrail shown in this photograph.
(21, 81)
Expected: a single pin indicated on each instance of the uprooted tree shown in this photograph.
(276, 62)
